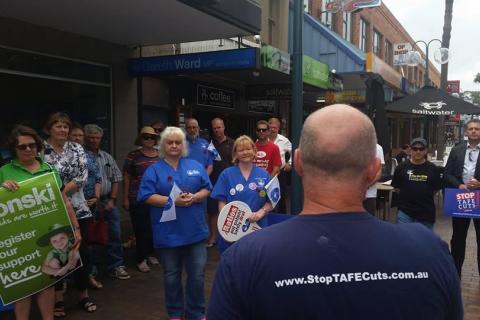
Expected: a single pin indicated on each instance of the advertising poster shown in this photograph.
(35, 239)
(462, 203)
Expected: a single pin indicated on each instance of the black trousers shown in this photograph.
(458, 242)
(142, 226)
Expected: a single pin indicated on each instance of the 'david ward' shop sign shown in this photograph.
(462, 203)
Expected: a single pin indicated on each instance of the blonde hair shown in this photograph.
(241, 140)
(169, 132)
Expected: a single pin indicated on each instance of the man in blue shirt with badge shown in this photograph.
(198, 147)
(335, 260)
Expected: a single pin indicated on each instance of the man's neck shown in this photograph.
(262, 142)
(473, 143)
(95, 151)
(219, 140)
(274, 137)
(332, 198)
(417, 162)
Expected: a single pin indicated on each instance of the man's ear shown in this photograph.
(297, 162)
(374, 171)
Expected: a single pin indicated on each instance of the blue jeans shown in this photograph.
(194, 258)
(402, 217)
(114, 246)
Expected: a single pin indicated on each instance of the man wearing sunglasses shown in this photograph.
(268, 153)
(463, 172)
(417, 180)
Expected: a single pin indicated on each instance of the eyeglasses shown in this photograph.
(24, 147)
(262, 129)
(147, 137)
(417, 148)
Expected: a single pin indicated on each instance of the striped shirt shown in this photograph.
(108, 170)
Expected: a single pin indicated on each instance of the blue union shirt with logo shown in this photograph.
(198, 150)
(190, 225)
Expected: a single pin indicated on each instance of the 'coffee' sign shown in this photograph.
(215, 97)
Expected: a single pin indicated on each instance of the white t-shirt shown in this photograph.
(372, 191)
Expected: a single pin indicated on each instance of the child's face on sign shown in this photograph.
(59, 241)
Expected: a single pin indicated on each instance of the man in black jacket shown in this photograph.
(463, 172)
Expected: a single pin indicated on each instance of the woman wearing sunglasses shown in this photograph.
(178, 221)
(136, 163)
(25, 144)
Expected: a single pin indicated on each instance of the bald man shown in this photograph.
(334, 260)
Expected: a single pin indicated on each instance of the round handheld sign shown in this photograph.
(233, 221)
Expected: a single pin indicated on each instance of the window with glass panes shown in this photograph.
(377, 43)
(326, 17)
(388, 53)
(362, 39)
(347, 22)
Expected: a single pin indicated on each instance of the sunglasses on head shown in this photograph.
(148, 137)
(417, 148)
(262, 129)
(24, 147)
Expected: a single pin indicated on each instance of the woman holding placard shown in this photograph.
(25, 144)
(243, 182)
(176, 189)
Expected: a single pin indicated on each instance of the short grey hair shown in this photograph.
(92, 128)
(353, 156)
(167, 134)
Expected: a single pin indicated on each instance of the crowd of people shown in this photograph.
(174, 183)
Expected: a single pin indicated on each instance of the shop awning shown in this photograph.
(432, 102)
(141, 22)
(322, 44)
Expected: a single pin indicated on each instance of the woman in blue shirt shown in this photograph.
(243, 182)
(181, 239)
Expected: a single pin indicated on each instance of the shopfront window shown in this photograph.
(39, 85)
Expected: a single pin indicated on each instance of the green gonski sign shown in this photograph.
(316, 73)
(35, 239)
(275, 59)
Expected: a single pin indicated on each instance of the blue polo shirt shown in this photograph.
(198, 150)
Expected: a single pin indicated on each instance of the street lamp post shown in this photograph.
(427, 46)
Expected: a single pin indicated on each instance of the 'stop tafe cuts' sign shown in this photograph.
(462, 203)
(35, 240)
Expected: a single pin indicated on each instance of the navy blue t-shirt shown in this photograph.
(337, 266)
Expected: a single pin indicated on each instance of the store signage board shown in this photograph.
(275, 59)
(215, 97)
(262, 106)
(400, 53)
(453, 86)
(195, 62)
(316, 73)
(269, 92)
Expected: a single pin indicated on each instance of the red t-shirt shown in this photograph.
(268, 156)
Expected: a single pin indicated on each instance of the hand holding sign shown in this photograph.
(233, 221)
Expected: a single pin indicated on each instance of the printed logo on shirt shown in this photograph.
(416, 177)
(261, 154)
(233, 191)
(260, 182)
(252, 186)
(239, 187)
(193, 173)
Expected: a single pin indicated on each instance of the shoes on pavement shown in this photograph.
(120, 273)
(94, 283)
(153, 261)
(143, 266)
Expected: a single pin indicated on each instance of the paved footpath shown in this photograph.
(141, 297)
